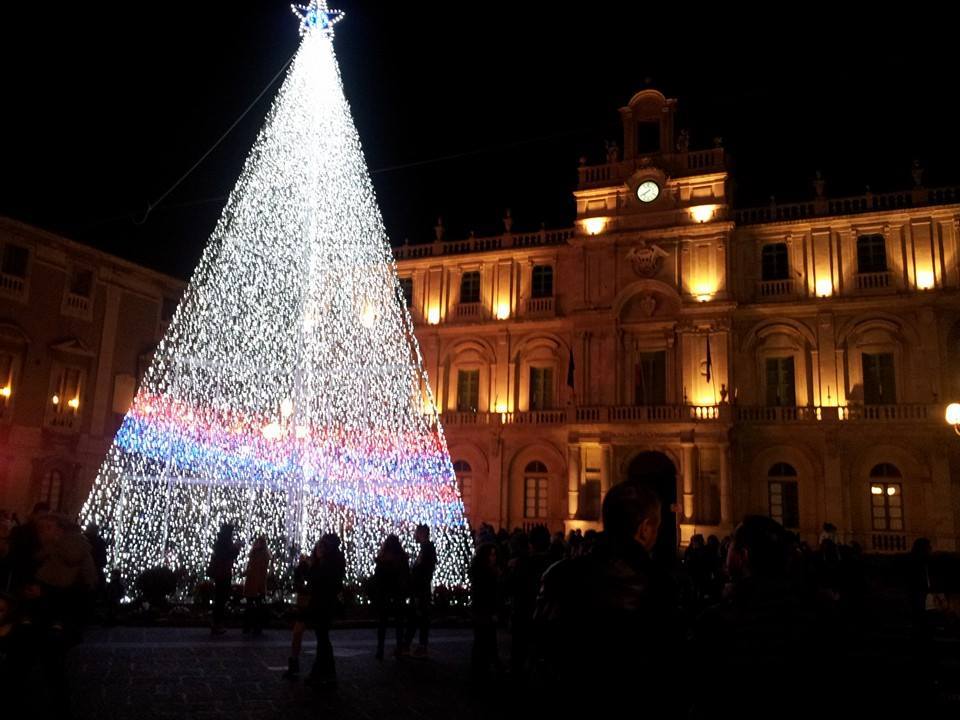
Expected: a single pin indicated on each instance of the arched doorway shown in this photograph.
(658, 472)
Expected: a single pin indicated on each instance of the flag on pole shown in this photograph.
(709, 361)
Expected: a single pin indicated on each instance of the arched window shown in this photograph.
(536, 484)
(886, 497)
(51, 489)
(465, 482)
(784, 495)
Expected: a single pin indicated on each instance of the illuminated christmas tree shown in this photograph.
(288, 396)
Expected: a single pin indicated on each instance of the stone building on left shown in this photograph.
(77, 330)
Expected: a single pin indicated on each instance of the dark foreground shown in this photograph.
(145, 673)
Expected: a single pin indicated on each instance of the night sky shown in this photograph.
(464, 109)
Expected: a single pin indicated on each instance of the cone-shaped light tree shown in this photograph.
(288, 396)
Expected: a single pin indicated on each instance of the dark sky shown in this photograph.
(102, 109)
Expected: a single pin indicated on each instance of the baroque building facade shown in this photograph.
(789, 360)
(77, 330)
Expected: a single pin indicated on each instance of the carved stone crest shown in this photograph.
(646, 259)
(648, 305)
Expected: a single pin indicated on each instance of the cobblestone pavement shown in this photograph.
(185, 673)
(141, 673)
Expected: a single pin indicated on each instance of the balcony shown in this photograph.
(505, 241)
(65, 422)
(911, 413)
(885, 542)
(873, 281)
(76, 305)
(591, 415)
(675, 164)
(12, 285)
(868, 202)
(540, 307)
(775, 289)
(470, 311)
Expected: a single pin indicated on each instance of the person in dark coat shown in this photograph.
(255, 586)
(225, 552)
(391, 582)
(421, 590)
(327, 571)
(615, 606)
(767, 633)
(484, 605)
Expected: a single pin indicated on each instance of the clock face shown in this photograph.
(648, 191)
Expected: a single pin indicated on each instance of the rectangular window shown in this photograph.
(775, 264)
(871, 254)
(886, 501)
(535, 498)
(15, 260)
(651, 378)
(468, 390)
(879, 384)
(784, 503)
(66, 397)
(541, 388)
(542, 281)
(81, 283)
(6, 379)
(470, 287)
(781, 388)
(406, 290)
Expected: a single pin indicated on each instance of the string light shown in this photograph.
(287, 395)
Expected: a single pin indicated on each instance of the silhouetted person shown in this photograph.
(255, 586)
(24, 546)
(484, 604)
(391, 582)
(421, 590)
(765, 635)
(615, 608)
(301, 575)
(225, 552)
(326, 581)
(522, 583)
(98, 549)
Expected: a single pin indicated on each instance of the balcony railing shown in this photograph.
(775, 288)
(613, 414)
(873, 281)
(868, 202)
(440, 248)
(76, 305)
(678, 164)
(746, 414)
(916, 412)
(12, 284)
(882, 542)
(63, 421)
(540, 306)
(471, 310)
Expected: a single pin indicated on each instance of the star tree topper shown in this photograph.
(317, 15)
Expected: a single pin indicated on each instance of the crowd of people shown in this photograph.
(758, 604)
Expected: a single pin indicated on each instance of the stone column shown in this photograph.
(573, 480)
(605, 463)
(726, 491)
(688, 509)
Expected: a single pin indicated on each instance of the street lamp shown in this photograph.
(953, 416)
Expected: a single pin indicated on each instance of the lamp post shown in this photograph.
(952, 416)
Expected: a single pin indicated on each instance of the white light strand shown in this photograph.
(287, 395)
